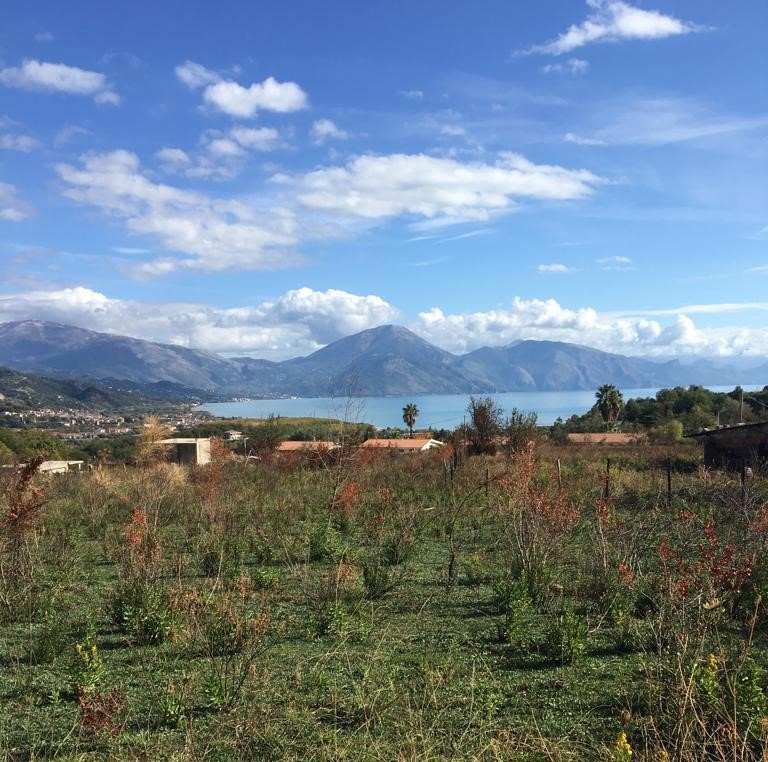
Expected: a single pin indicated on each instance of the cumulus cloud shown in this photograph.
(210, 233)
(324, 129)
(612, 21)
(441, 190)
(298, 322)
(222, 154)
(23, 143)
(625, 334)
(555, 267)
(245, 102)
(59, 78)
(12, 208)
(234, 99)
(303, 320)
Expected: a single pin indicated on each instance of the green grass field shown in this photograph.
(393, 609)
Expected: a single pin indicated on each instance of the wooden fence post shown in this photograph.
(669, 481)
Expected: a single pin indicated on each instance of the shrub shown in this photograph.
(567, 640)
(141, 612)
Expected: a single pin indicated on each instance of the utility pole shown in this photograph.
(741, 408)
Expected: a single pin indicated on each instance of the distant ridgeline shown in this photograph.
(20, 392)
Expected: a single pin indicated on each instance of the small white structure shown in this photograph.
(402, 445)
(60, 466)
(189, 451)
(233, 435)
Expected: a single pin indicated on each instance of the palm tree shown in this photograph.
(610, 402)
(410, 414)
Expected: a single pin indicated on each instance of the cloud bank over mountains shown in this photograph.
(303, 320)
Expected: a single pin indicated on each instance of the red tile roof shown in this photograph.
(298, 446)
(397, 444)
(607, 437)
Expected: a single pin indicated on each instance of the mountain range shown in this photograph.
(388, 360)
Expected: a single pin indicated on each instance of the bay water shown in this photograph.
(436, 411)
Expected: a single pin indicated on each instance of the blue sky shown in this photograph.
(263, 178)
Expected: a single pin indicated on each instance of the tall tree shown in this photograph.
(610, 402)
(486, 420)
(410, 414)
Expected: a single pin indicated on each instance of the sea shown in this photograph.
(436, 411)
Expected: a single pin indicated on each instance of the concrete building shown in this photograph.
(189, 452)
(233, 435)
(60, 466)
(736, 446)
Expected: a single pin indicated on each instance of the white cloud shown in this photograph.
(569, 137)
(23, 143)
(706, 309)
(225, 148)
(638, 121)
(442, 191)
(67, 133)
(325, 129)
(60, 78)
(412, 95)
(572, 66)
(555, 267)
(44, 37)
(257, 139)
(300, 321)
(621, 333)
(210, 233)
(222, 155)
(612, 21)
(194, 75)
(173, 157)
(617, 262)
(12, 208)
(452, 130)
(245, 102)
(232, 98)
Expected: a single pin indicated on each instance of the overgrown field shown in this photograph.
(402, 608)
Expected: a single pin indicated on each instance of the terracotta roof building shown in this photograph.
(305, 446)
(401, 445)
(607, 438)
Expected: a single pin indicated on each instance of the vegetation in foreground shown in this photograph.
(414, 608)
